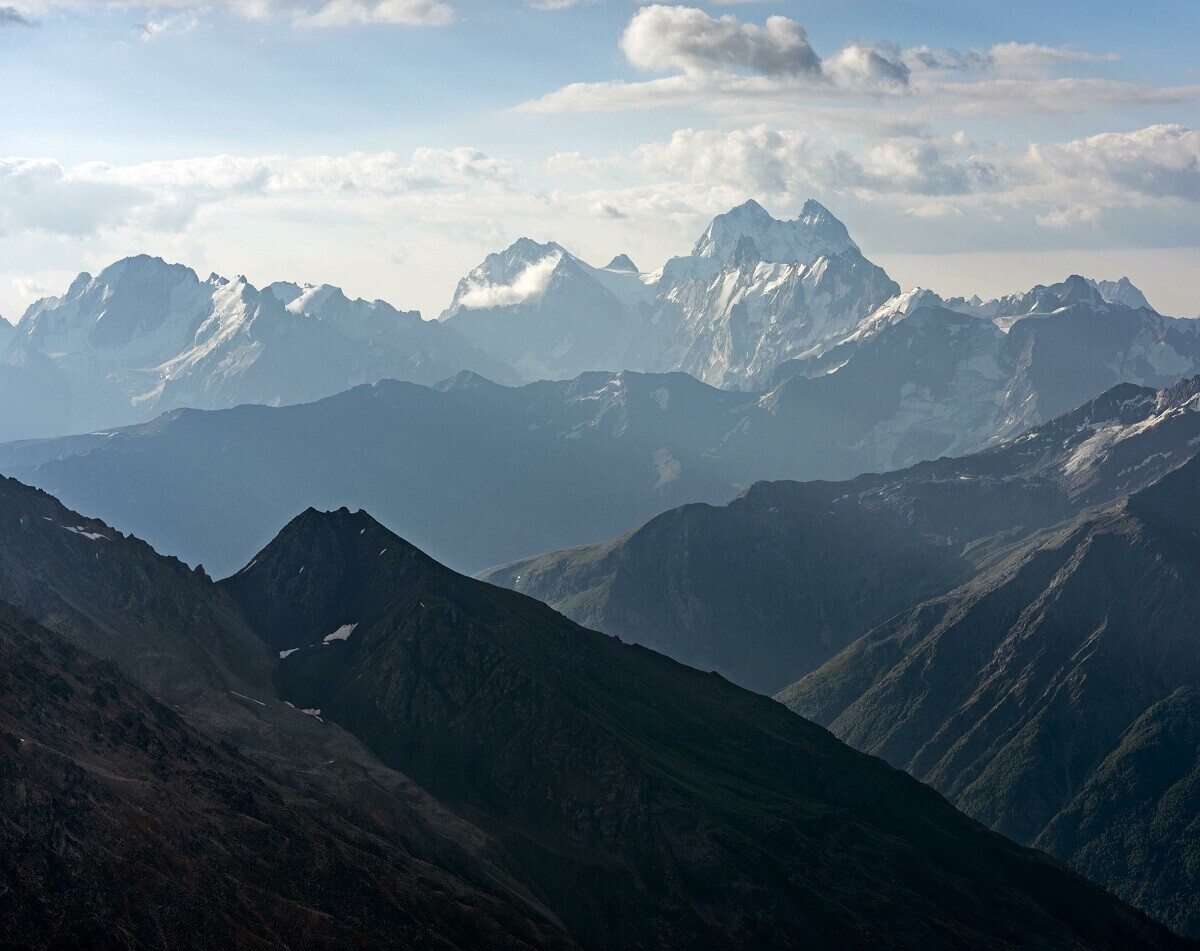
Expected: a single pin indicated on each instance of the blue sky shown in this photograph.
(387, 145)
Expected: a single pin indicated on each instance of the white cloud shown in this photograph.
(306, 13)
(173, 23)
(41, 195)
(724, 65)
(1006, 57)
(765, 160)
(687, 39)
(1158, 162)
(398, 12)
(861, 66)
(559, 4)
(1027, 55)
(1062, 96)
(530, 284)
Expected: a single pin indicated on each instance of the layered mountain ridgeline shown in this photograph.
(476, 473)
(144, 336)
(757, 302)
(121, 825)
(1051, 697)
(165, 624)
(770, 586)
(647, 804)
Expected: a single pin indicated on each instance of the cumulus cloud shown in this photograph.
(726, 65)
(719, 61)
(1008, 56)
(862, 66)
(1158, 162)
(773, 161)
(946, 59)
(687, 39)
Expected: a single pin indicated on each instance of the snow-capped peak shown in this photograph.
(813, 234)
(1122, 291)
(128, 300)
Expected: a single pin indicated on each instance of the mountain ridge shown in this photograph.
(466, 686)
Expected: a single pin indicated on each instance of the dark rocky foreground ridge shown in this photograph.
(645, 802)
(121, 825)
(598, 793)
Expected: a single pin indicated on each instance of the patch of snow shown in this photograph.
(244, 697)
(90, 536)
(283, 654)
(344, 631)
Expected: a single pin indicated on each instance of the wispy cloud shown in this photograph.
(42, 195)
(337, 13)
(176, 15)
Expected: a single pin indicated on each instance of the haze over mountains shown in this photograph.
(1020, 623)
(771, 585)
(757, 301)
(962, 534)
(480, 474)
(143, 336)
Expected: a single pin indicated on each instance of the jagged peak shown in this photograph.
(323, 574)
(814, 233)
(1122, 291)
(622, 262)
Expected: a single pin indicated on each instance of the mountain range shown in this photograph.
(1014, 627)
(956, 539)
(773, 584)
(672, 808)
(481, 474)
(144, 336)
(896, 377)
